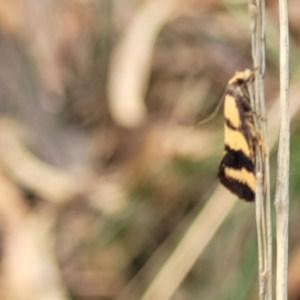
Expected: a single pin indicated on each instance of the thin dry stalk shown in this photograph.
(282, 191)
(191, 246)
(131, 61)
(28, 242)
(20, 164)
(263, 206)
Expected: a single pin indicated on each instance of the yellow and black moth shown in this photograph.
(237, 168)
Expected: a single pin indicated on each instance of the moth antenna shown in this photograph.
(214, 113)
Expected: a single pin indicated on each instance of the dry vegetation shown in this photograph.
(104, 172)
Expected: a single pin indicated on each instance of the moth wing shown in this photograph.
(237, 168)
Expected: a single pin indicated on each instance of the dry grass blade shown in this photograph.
(130, 66)
(46, 181)
(263, 210)
(195, 240)
(282, 191)
(28, 242)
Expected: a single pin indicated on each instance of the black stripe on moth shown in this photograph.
(242, 190)
(237, 160)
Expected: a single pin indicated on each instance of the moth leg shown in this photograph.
(262, 153)
(258, 115)
(262, 149)
(258, 137)
(257, 133)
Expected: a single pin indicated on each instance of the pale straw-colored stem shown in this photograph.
(263, 206)
(282, 191)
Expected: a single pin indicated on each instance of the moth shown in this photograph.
(237, 168)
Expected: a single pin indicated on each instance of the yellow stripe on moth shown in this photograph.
(231, 111)
(235, 140)
(243, 176)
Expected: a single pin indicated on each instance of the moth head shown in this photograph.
(242, 77)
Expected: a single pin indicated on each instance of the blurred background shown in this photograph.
(104, 170)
